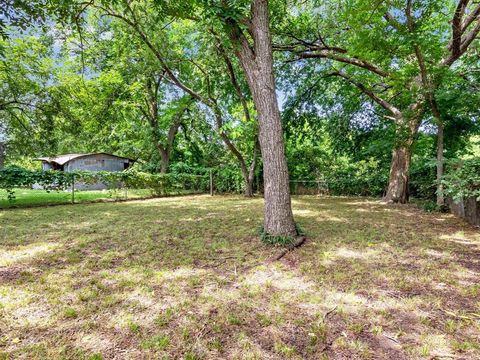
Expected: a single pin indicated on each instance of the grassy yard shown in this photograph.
(28, 197)
(187, 278)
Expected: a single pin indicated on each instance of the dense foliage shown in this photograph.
(158, 184)
(160, 81)
(463, 179)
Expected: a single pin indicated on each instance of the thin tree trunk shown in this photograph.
(257, 63)
(440, 164)
(440, 149)
(248, 183)
(2, 155)
(398, 181)
(251, 172)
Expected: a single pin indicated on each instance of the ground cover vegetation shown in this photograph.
(117, 280)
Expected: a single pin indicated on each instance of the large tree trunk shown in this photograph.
(257, 63)
(164, 159)
(398, 181)
(278, 211)
(407, 129)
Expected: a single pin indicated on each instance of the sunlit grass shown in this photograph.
(29, 197)
(188, 277)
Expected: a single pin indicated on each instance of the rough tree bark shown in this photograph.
(398, 180)
(257, 63)
(397, 191)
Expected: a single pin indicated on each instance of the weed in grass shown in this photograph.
(233, 319)
(451, 326)
(466, 345)
(425, 350)
(215, 344)
(70, 313)
(283, 349)
(377, 330)
(96, 356)
(88, 294)
(356, 328)
(133, 326)
(164, 318)
(185, 334)
(264, 320)
(157, 342)
(279, 240)
(472, 290)
(318, 333)
(193, 356)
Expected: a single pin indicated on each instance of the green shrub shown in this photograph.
(422, 179)
(158, 184)
(362, 178)
(462, 178)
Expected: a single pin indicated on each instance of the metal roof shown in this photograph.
(63, 159)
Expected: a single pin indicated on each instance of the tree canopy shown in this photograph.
(384, 91)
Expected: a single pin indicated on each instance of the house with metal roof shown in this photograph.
(87, 162)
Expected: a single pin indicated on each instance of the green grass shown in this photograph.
(28, 197)
(188, 277)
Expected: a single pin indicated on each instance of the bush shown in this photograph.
(422, 184)
(363, 178)
(462, 179)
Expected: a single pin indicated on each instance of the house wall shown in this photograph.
(98, 162)
(46, 166)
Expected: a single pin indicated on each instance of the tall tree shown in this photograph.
(371, 46)
(183, 68)
(163, 139)
(256, 59)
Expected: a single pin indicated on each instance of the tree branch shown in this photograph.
(385, 104)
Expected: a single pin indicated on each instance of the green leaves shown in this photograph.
(462, 179)
(159, 184)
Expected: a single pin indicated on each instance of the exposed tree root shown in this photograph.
(299, 240)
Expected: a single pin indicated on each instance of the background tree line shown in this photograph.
(375, 96)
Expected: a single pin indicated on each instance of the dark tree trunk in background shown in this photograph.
(164, 159)
(257, 63)
(398, 181)
(250, 176)
(440, 162)
(2, 155)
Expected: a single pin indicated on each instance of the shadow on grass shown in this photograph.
(166, 277)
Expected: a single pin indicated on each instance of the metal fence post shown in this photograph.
(73, 189)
